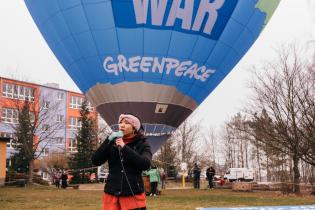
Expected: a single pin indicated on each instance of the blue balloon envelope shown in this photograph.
(158, 59)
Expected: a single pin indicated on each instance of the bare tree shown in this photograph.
(286, 93)
(306, 106)
(228, 148)
(209, 150)
(52, 162)
(238, 145)
(187, 138)
(34, 128)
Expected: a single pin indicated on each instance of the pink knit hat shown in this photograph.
(134, 121)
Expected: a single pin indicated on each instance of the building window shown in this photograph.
(75, 123)
(45, 104)
(29, 94)
(76, 102)
(59, 140)
(12, 143)
(60, 96)
(10, 115)
(73, 146)
(45, 152)
(59, 118)
(21, 93)
(18, 92)
(7, 90)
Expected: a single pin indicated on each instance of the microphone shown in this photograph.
(115, 135)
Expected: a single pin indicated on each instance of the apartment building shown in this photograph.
(58, 111)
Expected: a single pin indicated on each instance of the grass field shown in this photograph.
(49, 198)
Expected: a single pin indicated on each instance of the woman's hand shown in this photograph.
(120, 143)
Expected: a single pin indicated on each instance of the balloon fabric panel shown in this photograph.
(92, 16)
(159, 59)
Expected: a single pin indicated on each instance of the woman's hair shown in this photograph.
(140, 132)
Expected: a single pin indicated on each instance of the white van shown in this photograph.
(239, 174)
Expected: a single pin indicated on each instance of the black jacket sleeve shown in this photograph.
(141, 161)
(102, 153)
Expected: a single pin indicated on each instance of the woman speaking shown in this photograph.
(128, 154)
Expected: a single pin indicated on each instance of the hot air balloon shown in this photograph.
(158, 59)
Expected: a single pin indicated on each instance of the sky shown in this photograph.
(24, 55)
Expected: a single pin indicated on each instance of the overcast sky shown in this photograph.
(24, 55)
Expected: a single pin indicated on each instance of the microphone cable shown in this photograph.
(124, 172)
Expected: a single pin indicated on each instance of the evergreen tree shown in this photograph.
(22, 161)
(166, 158)
(86, 140)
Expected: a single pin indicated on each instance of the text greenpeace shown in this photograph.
(156, 65)
(190, 16)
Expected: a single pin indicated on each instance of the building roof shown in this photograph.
(4, 139)
(47, 85)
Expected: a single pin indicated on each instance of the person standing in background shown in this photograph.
(64, 180)
(210, 175)
(163, 178)
(196, 173)
(57, 178)
(154, 176)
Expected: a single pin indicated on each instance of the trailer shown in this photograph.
(239, 174)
